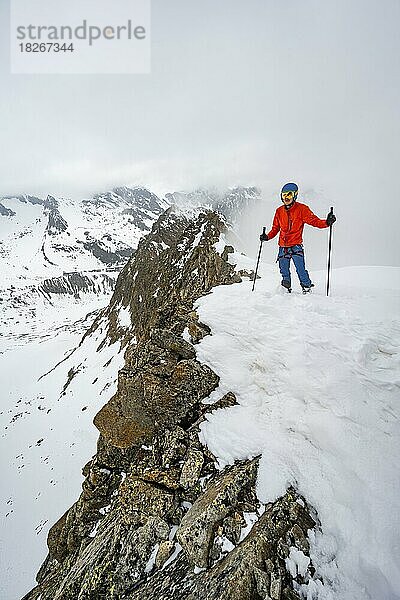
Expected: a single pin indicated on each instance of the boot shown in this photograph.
(286, 284)
(307, 288)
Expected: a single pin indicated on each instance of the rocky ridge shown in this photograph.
(156, 518)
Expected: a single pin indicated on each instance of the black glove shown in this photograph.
(330, 219)
(263, 237)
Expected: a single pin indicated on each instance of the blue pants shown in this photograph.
(297, 254)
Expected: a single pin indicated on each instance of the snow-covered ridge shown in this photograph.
(317, 380)
(54, 248)
(46, 237)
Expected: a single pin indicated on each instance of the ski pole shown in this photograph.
(329, 254)
(258, 260)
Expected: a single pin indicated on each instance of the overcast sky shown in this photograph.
(241, 92)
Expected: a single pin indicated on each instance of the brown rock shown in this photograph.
(165, 550)
(191, 469)
(139, 499)
(196, 531)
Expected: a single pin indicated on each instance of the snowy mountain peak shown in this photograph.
(140, 197)
(56, 223)
(49, 202)
(74, 236)
(231, 202)
(52, 247)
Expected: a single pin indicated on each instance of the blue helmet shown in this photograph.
(290, 187)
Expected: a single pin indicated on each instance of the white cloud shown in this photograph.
(279, 91)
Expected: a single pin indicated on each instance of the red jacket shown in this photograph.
(290, 223)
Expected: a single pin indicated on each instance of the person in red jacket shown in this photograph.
(289, 220)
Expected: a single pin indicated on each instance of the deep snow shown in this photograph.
(47, 434)
(317, 381)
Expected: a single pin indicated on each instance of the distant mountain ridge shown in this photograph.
(54, 251)
(77, 235)
(56, 236)
(231, 202)
(54, 248)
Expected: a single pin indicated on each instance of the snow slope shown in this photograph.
(47, 435)
(318, 382)
(44, 238)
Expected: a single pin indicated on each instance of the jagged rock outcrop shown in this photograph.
(56, 223)
(156, 518)
(76, 283)
(100, 251)
(252, 568)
